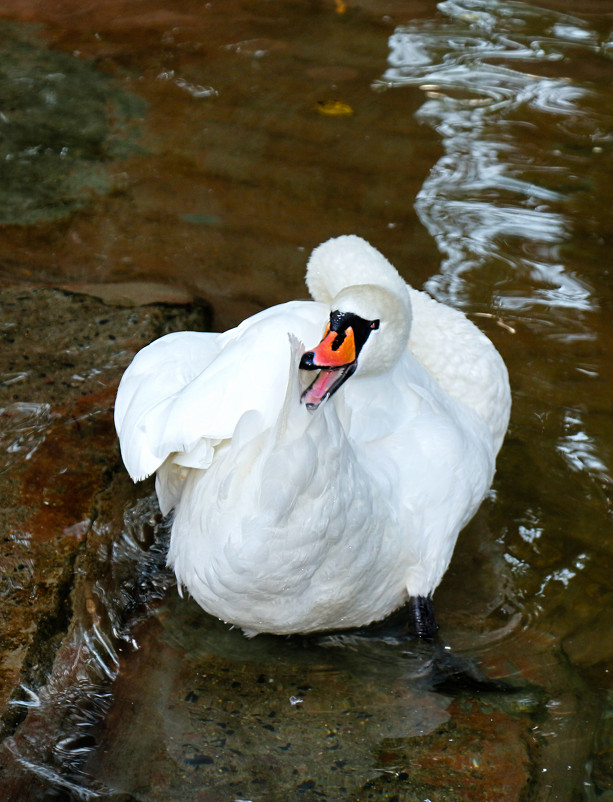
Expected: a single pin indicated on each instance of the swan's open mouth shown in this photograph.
(325, 384)
(336, 356)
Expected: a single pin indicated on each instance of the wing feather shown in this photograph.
(191, 385)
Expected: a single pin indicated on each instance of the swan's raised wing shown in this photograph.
(187, 391)
(156, 374)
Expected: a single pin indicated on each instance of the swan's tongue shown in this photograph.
(326, 383)
(320, 389)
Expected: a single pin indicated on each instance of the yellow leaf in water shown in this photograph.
(333, 108)
(341, 7)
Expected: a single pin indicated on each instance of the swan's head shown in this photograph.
(367, 332)
(370, 315)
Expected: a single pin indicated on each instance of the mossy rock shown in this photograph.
(62, 121)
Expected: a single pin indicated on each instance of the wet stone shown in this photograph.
(61, 359)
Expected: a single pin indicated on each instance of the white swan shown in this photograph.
(295, 515)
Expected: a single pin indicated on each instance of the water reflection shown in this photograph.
(523, 135)
(502, 179)
(24, 425)
(195, 90)
(580, 450)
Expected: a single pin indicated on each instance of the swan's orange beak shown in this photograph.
(336, 356)
(334, 351)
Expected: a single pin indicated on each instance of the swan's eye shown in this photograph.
(348, 332)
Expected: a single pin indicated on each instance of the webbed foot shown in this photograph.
(452, 673)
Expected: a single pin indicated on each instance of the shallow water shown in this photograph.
(473, 145)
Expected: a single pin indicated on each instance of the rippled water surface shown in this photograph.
(472, 143)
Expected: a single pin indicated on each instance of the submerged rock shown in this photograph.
(62, 121)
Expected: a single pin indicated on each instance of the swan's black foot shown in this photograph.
(433, 665)
(451, 673)
(448, 671)
(415, 619)
(421, 620)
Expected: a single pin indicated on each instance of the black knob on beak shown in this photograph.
(306, 361)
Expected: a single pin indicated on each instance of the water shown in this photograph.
(474, 148)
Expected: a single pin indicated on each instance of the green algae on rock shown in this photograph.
(61, 120)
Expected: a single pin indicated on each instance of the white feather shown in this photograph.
(288, 520)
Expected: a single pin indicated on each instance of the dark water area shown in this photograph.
(201, 150)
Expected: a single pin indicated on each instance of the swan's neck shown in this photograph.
(348, 261)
